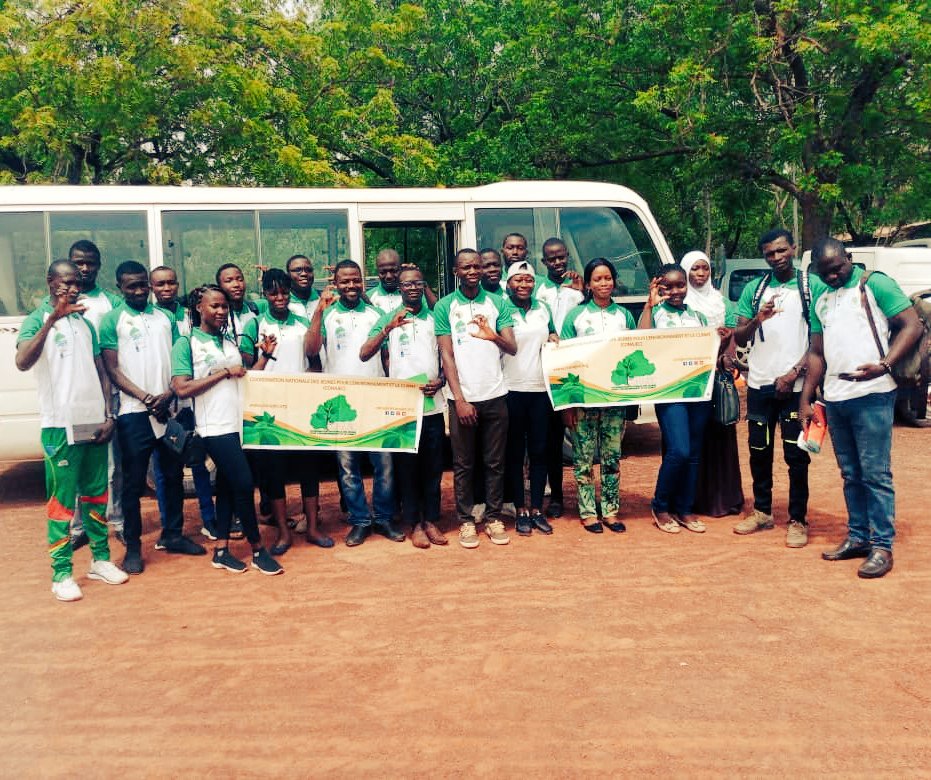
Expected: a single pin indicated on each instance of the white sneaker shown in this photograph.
(67, 590)
(468, 537)
(107, 572)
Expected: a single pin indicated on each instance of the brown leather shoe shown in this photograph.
(846, 550)
(434, 534)
(419, 537)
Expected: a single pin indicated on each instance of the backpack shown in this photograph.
(912, 370)
(804, 291)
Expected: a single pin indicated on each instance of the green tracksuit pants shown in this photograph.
(604, 429)
(74, 473)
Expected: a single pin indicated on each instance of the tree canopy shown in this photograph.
(720, 113)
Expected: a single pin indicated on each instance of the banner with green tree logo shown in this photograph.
(321, 411)
(638, 366)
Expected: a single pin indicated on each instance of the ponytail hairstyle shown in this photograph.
(195, 296)
(590, 269)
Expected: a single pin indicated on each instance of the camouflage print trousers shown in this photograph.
(604, 429)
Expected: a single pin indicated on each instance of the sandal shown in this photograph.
(593, 528)
(670, 526)
(615, 527)
(692, 523)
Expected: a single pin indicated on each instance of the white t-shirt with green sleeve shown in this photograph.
(181, 316)
(143, 341)
(303, 308)
(781, 341)
(666, 316)
(69, 387)
(344, 332)
(848, 339)
(218, 411)
(412, 349)
(97, 303)
(289, 355)
(561, 298)
(523, 372)
(478, 362)
(590, 319)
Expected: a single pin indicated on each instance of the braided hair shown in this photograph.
(196, 295)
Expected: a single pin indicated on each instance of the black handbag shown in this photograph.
(183, 440)
(725, 399)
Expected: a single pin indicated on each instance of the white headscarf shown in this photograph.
(706, 298)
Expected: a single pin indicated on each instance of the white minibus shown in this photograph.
(196, 229)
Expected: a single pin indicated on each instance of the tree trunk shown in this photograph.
(817, 217)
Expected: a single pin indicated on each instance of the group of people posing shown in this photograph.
(115, 369)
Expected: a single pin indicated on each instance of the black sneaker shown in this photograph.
(133, 563)
(236, 531)
(224, 559)
(263, 561)
(181, 546)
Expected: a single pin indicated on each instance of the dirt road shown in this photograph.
(571, 655)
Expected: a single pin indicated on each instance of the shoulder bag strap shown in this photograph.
(864, 301)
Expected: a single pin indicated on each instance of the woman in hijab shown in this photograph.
(720, 491)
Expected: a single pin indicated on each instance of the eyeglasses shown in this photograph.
(303, 269)
(412, 285)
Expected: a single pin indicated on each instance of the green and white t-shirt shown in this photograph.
(412, 348)
(848, 338)
(219, 410)
(561, 298)
(289, 354)
(388, 301)
(523, 372)
(69, 387)
(181, 316)
(344, 332)
(238, 320)
(478, 362)
(98, 303)
(665, 316)
(142, 341)
(589, 319)
(779, 342)
(303, 308)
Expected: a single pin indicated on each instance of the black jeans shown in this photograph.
(491, 436)
(137, 441)
(528, 418)
(764, 410)
(234, 486)
(555, 435)
(418, 475)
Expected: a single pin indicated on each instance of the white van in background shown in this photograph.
(910, 266)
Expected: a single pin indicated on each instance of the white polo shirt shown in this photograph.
(784, 338)
(142, 341)
(478, 362)
(306, 308)
(219, 410)
(412, 348)
(98, 303)
(289, 354)
(523, 372)
(561, 298)
(344, 332)
(848, 338)
(665, 316)
(589, 319)
(66, 375)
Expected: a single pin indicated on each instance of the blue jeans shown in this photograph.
(202, 487)
(350, 477)
(683, 426)
(861, 432)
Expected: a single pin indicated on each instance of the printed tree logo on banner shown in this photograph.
(634, 365)
(573, 389)
(334, 410)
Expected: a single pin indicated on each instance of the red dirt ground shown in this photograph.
(563, 656)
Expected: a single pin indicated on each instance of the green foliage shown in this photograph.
(720, 116)
(333, 410)
(633, 365)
